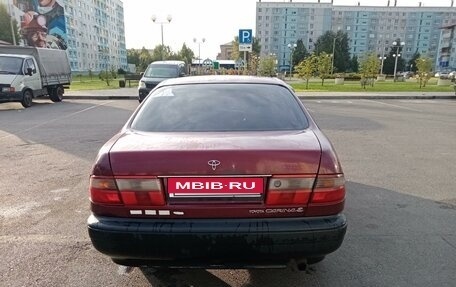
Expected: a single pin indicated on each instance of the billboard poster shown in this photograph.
(42, 23)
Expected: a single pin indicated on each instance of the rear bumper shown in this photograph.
(216, 242)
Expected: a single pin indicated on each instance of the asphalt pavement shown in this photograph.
(132, 93)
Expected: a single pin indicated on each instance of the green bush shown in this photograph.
(352, 77)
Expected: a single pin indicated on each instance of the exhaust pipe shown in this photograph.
(300, 265)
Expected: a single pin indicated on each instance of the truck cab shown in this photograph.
(18, 74)
(28, 72)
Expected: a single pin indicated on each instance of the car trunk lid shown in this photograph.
(220, 154)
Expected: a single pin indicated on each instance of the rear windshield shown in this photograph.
(161, 71)
(220, 107)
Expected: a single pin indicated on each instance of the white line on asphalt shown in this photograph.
(56, 119)
(395, 106)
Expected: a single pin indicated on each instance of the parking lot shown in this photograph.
(398, 157)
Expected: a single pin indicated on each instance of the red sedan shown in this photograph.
(218, 172)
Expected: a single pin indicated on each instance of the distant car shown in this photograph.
(442, 74)
(218, 171)
(158, 71)
(452, 74)
(408, 75)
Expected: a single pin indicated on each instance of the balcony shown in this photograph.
(445, 44)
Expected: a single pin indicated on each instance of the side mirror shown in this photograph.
(29, 71)
(141, 74)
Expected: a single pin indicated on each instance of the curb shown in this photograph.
(76, 97)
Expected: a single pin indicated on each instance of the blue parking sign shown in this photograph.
(245, 36)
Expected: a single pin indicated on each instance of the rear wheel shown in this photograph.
(56, 95)
(27, 99)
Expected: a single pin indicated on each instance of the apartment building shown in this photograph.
(91, 31)
(369, 28)
(446, 59)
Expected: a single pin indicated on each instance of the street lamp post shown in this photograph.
(168, 20)
(276, 62)
(292, 47)
(199, 52)
(397, 55)
(332, 58)
(382, 58)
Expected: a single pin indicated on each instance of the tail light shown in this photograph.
(104, 191)
(289, 190)
(329, 188)
(126, 191)
(323, 195)
(328, 196)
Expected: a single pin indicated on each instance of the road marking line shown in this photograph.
(395, 106)
(56, 119)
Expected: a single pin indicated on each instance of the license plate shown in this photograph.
(215, 187)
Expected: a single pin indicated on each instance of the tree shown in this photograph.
(161, 52)
(307, 68)
(186, 54)
(369, 67)
(253, 64)
(354, 65)
(341, 53)
(144, 59)
(106, 76)
(5, 23)
(388, 64)
(324, 66)
(412, 62)
(324, 43)
(331, 42)
(133, 57)
(267, 66)
(424, 68)
(299, 53)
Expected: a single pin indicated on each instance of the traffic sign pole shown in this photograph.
(245, 60)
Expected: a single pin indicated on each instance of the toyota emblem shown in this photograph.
(213, 163)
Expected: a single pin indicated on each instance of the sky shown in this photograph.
(217, 21)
